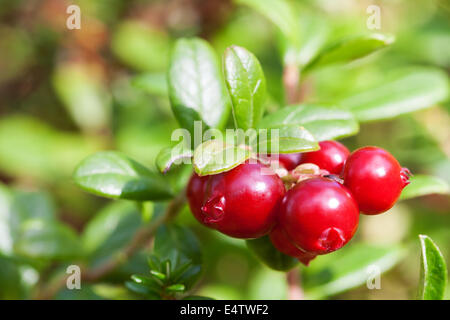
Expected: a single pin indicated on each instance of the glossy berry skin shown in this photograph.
(283, 244)
(319, 215)
(331, 156)
(195, 193)
(375, 179)
(241, 203)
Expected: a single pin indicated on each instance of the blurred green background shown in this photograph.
(65, 94)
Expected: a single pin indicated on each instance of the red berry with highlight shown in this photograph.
(330, 157)
(281, 241)
(319, 215)
(375, 179)
(242, 202)
(196, 193)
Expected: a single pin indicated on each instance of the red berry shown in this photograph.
(375, 179)
(319, 215)
(241, 202)
(195, 193)
(330, 157)
(289, 160)
(281, 241)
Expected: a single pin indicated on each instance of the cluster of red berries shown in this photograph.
(318, 214)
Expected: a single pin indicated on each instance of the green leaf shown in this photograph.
(405, 91)
(246, 84)
(345, 269)
(47, 240)
(422, 185)
(214, 156)
(140, 46)
(30, 229)
(279, 12)
(196, 88)
(10, 280)
(180, 247)
(324, 123)
(433, 271)
(266, 252)
(152, 83)
(176, 288)
(113, 175)
(286, 139)
(84, 94)
(110, 230)
(172, 155)
(351, 49)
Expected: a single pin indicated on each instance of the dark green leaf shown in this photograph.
(348, 268)
(351, 49)
(422, 185)
(433, 271)
(405, 91)
(246, 84)
(196, 88)
(286, 139)
(266, 252)
(216, 156)
(324, 123)
(197, 298)
(179, 246)
(112, 174)
(172, 155)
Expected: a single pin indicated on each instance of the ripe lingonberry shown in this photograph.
(330, 157)
(289, 160)
(319, 215)
(241, 203)
(281, 241)
(375, 179)
(195, 193)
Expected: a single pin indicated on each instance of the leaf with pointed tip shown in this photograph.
(196, 88)
(214, 156)
(286, 139)
(433, 271)
(172, 155)
(246, 84)
(402, 92)
(323, 122)
(350, 49)
(114, 175)
(422, 185)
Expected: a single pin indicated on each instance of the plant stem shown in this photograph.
(291, 82)
(295, 291)
(143, 236)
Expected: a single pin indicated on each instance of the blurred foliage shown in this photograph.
(66, 94)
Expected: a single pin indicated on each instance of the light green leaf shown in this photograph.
(214, 156)
(350, 49)
(266, 252)
(112, 174)
(172, 155)
(152, 83)
(405, 91)
(348, 268)
(246, 84)
(83, 92)
(324, 123)
(279, 12)
(286, 139)
(433, 271)
(47, 240)
(110, 230)
(140, 46)
(422, 185)
(196, 88)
